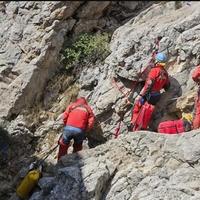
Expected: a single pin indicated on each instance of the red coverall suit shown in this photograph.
(157, 79)
(78, 118)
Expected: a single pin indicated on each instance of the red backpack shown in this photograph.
(143, 117)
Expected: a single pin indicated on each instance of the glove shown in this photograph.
(137, 98)
(140, 99)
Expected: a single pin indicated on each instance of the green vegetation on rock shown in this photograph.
(85, 49)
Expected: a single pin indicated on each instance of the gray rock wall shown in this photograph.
(131, 47)
(31, 38)
(143, 165)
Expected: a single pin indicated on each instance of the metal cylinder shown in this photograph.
(28, 183)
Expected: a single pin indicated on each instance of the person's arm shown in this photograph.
(196, 74)
(149, 83)
(66, 114)
(147, 87)
(91, 119)
(196, 114)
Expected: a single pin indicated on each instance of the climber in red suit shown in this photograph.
(78, 118)
(157, 79)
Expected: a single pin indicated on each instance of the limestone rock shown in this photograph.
(144, 165)
(131, 51)
(32, 35)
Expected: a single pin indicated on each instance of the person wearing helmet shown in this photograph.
(157, 79)
(196, 78)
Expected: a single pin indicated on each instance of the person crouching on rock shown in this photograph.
(157, 79)
(196, 114)
(78, 118)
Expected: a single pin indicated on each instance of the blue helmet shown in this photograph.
(161, 57)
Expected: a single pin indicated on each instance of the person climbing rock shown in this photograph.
(176, 126)
(196, 114)
(157, 79)
(78, 118)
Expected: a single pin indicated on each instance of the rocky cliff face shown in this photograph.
(139, 166)
(31, 38)
(143, 165)
(132, 46)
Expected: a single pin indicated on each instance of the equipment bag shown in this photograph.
(143, 117)
(171, 127)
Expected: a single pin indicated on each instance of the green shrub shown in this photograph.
(85, 49)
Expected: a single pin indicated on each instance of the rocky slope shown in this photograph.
(144, 163)
(32, 36)
(132, 46)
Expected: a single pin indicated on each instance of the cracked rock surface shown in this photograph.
(141, 165)
(136, 166)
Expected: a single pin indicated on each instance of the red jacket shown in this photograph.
(157, 79)
(79, 115)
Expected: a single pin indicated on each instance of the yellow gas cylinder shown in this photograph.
(28, 183)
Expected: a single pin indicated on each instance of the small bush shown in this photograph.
(85, 49)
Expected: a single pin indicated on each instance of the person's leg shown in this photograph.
(78, 141)
(187, 126)
(64, 143)
(77, 147)
(63, 148)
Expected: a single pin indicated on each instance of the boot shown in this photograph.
(77, 147)
(63, 148)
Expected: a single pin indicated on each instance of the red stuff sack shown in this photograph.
(143, 117)
(171, 127)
